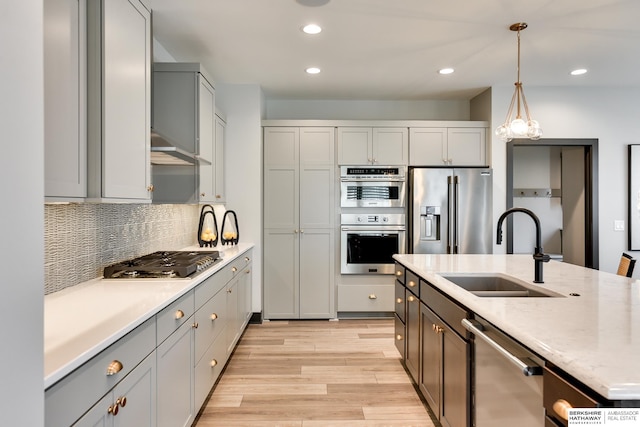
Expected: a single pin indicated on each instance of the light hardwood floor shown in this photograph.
(316, 374)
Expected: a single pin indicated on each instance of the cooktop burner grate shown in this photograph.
(162, 264)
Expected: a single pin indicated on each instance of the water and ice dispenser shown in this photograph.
(430, 223)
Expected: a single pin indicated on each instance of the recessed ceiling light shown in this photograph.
(312, 70)
(311, 29)
(446, 71)
(579, 72)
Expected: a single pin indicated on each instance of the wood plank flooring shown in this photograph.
(316, 374)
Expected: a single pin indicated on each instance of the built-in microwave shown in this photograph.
(372, 186)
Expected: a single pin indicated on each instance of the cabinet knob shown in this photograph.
(301, 231)
(399, 337)
(247, 272)
(195, 325)
(229, 290)
(373, 296)
(412, 283)
(213, 362)
(218, 196)
(234, 269)
(202, 194)
(411, 298)
(399, 300)
(398, 273)
(179, 314)
(247, 259)
(561, 407)
(114, 367)
(113, 409)
(214, 316)
(122, 401)
(150, 188)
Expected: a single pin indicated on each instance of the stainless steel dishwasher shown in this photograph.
(506, 379)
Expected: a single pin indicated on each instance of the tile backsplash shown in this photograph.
(81, 239)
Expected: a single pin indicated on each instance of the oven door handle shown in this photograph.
(378, 229)
(527, 369)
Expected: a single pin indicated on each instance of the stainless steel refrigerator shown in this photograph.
(450, 211)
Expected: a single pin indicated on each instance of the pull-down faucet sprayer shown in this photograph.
(538, 256)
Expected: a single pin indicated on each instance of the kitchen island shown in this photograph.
(591, 330)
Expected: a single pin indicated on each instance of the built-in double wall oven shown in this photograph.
(372, 220)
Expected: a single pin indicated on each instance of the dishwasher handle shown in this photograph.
(527, 369)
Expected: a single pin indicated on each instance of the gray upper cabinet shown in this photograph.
(373, 146)
(184, 112)
(65, 99)
(453, 146)
(119, 94)
(212, 175)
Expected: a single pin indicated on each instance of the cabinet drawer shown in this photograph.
(68, 399)
(211, 319)
(209, 368)
(174, 315)
(400, 273)
(399, 336)
(445, 308)
(366, 298)
(400, 300)
(559, 393)
(412, 282)
(211, 286)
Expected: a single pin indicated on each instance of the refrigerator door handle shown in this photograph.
(450, 211)
(456, 202)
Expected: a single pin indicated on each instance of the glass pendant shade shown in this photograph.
(518, 127)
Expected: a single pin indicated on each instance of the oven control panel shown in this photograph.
(372, 219)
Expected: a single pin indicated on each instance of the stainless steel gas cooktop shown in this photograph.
(163, 264)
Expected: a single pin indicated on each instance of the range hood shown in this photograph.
(166, 152)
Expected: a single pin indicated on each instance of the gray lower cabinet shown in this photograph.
(161, 372)
(131, 403)
(175, 355)
(124, 369)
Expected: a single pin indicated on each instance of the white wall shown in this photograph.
(367, 110)
(609, 114)
(22, 217)
(243, 106)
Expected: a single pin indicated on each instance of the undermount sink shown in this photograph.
(496, 285)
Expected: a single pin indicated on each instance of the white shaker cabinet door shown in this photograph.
(390, 146)
(467, 146)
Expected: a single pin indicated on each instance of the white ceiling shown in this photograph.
(392, 49)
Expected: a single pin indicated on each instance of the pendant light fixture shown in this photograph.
(518, 127)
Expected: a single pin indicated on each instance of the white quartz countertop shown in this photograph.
(595, 337)
(81, 321)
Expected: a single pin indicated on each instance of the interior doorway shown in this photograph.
(556, 179)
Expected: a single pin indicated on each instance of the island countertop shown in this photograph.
(593, 335)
